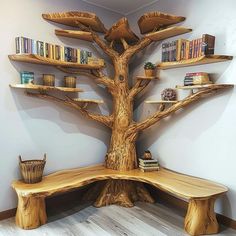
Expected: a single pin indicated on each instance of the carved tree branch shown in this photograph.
(139, 86)
(162, 113)
(141, 44)
(106, 120)
(124, 43)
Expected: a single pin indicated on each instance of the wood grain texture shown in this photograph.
(155, 20)
(121, 30)
(140, 77)
(82, 100)
(167, 33)
(35, 59)
(72, 18)
(180, 185)
(197, 86)
(201, 218)
(208, 59)
(45, 88)
(82, 35)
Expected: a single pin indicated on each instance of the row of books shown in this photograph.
(197, 78)
(147, 165)
(55, 52)
(183, 49)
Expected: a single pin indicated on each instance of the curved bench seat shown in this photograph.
(200, 193)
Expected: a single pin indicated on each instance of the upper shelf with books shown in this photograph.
(35, 59)
(207, 59)
(87, 36)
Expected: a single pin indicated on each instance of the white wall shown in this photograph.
(29, 126)
(199, 140)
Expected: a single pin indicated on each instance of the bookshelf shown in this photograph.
(205, 86)
(45, 88)
(208, 59)
(35, 59)
(82, 35)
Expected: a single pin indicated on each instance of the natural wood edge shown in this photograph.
(208, 59)
(95, 101)
(44, 88)
(167, 33)
(82, 35)
(147, 77)
(36, 59)
(205, 86)
(170, 20)
(121, 30)
(160, 102)
(72, 18)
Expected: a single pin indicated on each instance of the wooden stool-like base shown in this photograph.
(201, 218)
(31, 212)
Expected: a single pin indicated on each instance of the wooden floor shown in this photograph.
(143, 219)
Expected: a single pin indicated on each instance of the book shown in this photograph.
(208, 44)
(149, 165)
(40, 48)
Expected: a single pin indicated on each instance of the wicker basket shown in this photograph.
(32, 170)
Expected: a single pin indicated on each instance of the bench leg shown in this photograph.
(201, 218)
(31, 212)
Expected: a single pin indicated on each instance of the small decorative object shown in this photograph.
(32, 170)
(169, 94)
(197, 78)
(149, 68)
(147, 155)
(48, 80)
(27, 77)
(70, 81)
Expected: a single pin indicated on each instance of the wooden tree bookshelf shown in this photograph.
(121, 155)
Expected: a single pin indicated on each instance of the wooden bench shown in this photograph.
(201, 194)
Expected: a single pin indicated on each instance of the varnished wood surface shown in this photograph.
(87, 36)
(156, 20)
(35, 59)
(141, 220)
(72, 18)
(194, 61)
(167, 33)
(82, 100)
(201, 86)
(120, 30)
(160, 102)
(180, 185)
(45, 88)
(140, 77)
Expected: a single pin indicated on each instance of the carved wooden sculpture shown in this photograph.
(121, 154)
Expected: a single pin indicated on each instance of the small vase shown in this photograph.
(149, 72)
(70, 81)
(48, 80)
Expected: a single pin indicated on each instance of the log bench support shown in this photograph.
(31, 212)
(201, 217)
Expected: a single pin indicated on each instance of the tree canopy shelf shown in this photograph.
(35, 59)
(121, 30)
(87, 36)
(160, 102)
(75, 18)
(45, 88)
(194, 61)
(205, 86)
(167, 33)
(156, 20)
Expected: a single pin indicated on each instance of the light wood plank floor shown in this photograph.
(141, 220)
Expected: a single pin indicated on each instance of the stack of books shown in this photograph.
(197, 78)
(147, 165)
(55, 52)
(183, 49)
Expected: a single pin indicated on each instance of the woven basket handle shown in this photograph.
(44, 157)
(20, 159)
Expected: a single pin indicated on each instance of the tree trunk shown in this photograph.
(121, 155)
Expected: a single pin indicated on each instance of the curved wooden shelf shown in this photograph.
(35, 59)
(183, 186)
(140, 77)
(155, 20)
(161, 102)
(120, 30)
(204, 86)
(87, 36)
(72, 18)
(45, 88)
(93, 101)
(194, 61)
(167, 33)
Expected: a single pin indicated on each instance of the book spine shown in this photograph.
(17, 41)
(208, 44)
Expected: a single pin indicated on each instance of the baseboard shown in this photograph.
(161, 196)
